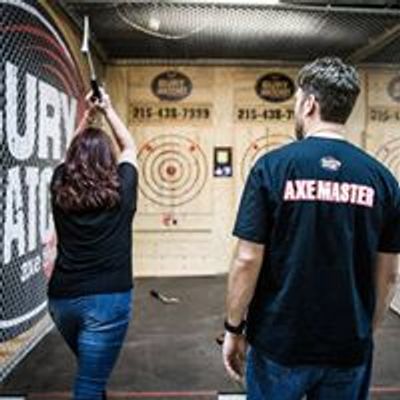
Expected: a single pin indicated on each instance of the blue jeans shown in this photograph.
(268, 380)
(94, 327)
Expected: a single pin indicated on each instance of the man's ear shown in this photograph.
(310, 105)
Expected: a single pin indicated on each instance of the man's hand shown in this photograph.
(234, 355)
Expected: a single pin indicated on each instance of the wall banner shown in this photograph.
(40, 84)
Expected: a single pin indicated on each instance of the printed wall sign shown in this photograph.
(40, 89)
(171, 86)
(159, 113)
(275, 87)
(394, 88)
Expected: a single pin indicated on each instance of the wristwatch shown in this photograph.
(235, 330)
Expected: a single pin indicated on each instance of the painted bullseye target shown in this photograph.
(171, 170)
(174, 170)
(259, 147)
(389, 154)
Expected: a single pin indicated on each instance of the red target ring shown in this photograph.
(171, 170)
(170, 158)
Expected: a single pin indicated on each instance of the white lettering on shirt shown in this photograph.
(329, 191)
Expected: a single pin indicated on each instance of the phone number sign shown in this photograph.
(149, 113)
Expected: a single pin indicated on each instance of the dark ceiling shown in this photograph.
(247, 31)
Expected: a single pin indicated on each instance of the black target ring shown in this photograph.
(389, 154)
(258, 148)
(156, 172)
(165, 190)
(174, 170)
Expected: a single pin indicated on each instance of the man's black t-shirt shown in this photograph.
(94, 250)
(323, 208)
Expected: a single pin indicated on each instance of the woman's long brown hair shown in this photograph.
(89, 179)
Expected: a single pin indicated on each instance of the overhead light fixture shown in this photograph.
(214, 2)
(227, 2)
(248, 3)
(244, 2)
(154, 24)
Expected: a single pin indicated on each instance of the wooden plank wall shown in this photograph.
(194, 238)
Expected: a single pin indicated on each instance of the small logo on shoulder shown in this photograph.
(330, 163)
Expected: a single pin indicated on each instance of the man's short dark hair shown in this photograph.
(335, 86)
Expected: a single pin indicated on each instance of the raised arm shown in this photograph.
(121, 133)
(87, 117)
(386, 277)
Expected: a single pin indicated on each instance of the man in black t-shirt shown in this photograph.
(316, 261)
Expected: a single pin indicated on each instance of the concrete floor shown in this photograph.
(170, 351)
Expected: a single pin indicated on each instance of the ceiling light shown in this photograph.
(227, 2)
(248, 3)
(154, 23)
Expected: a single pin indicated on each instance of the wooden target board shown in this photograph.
(383, 121)
(389, 154)
(170, 112)
(263, 116)
(175, 144)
